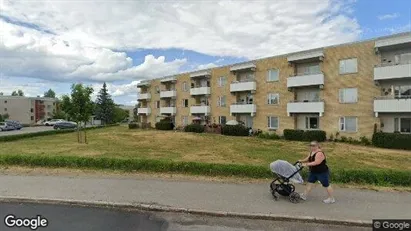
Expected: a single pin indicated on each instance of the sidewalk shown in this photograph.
(351, 204)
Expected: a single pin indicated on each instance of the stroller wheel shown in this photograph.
(275, 195)
(295, 197)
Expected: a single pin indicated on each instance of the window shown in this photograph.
(309, 69)
(348, 66)
(5, 101)
(273, 75)
(222, 81)
(348, 124)
(157, 89)
(272, 122)
(184, 120)
(157, 104)
(5, 109)
(185, 102)
(221, 101)
(402, 91)
(32, 117)
(348, 95)
(402, 125)
(312, 122)
(222, 120)
(31, 110)
(185, 86)
(273, 98)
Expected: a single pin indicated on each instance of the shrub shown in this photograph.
(364, 140)
(344, 139)
(317, 135)
(392, 140)
(133, 125)
(331, 137)
(145, 125)
(164, 125)
(235, 130)
(291, 134)
(197, 128)
(270, 136)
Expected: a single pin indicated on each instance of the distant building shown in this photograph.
(28, 110)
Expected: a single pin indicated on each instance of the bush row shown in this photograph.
(364, 176)
(164, 125)
(45, 133)
(270, 136)
(235, 130)
(197, 128)
(392, 140)
(301, 135)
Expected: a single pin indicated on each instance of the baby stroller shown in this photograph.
(287, 174)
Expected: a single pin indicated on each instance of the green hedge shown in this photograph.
(197, 128)
(270, 136)
(364, 176)
(309, 135)
(45, 133)
(235, 130)
(133, 126)
(164, 125)
(392, 140)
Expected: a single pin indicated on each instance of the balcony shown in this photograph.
(306, 80)
(200, 91)
(391, 105)
(168, 110)
(198, 74)
(392, 72)
(144, 111)
(200, 109)
(144, 83)
(243, 109)
(249, 85)
(243, 67)
(306, 56)
(393, 42)
(169, 79)
(144, 96)
(305, 107)
(168, 94)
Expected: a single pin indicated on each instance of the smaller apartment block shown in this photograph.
(28, 110)
(345, 89)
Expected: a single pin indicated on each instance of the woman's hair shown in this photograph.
(314, 142)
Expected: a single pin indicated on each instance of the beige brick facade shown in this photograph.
(329, 64)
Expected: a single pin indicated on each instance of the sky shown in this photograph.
(55, 43)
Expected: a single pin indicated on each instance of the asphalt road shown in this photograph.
(68, 218)
(26, 130)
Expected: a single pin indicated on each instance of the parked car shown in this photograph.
(16, 124)
(65, 125)
(53, 122)
(5, 126)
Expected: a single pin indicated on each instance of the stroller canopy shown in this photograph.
(285, 169)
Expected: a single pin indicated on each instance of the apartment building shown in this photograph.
(346, 89)
(28, 110)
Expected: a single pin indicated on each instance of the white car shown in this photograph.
(53, 122)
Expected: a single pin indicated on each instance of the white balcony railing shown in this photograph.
(144, 96)
(168, 94)
(200, 91)
(306, 80)
(305, 107)
(391, 105)
(250, 85)
(313, 54)
(243, 108)
(168, 110)
(144, 110)
(243, 66)
(392, 72)
(200, 109)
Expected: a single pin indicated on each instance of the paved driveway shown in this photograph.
(26, 130)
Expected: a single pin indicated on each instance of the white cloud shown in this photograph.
(388, 16)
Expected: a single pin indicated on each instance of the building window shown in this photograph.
(221, 101)
(312, 122)
(348, 124)
(185, 86)
(273, 75)
(157, 104)
(272, 122)
(348, 95)
(31, 110)
(402, 92)
(222, 120)
(5, 101)
(273, 98)
(157, 89)
(348, 66)
(5, 109)
(402, 125)
(222, 81)
(32, 117)
(185, 102)
(184, 120)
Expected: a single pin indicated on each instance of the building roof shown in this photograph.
(26, 97)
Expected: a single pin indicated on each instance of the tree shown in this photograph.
(105, 106)
(78, 106)
(1, 93)
(120, 114)
(135, 112)
(17, 93)
(50, 94)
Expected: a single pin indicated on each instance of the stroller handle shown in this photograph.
(298, 165)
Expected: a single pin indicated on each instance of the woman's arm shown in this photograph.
(319, 157)
(304, 160)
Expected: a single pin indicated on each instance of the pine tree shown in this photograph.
(104, 106)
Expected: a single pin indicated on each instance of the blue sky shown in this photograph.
(48, 47)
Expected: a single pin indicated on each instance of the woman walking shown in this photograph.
(319, 171)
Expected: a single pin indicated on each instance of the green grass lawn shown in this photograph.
(120, 142)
